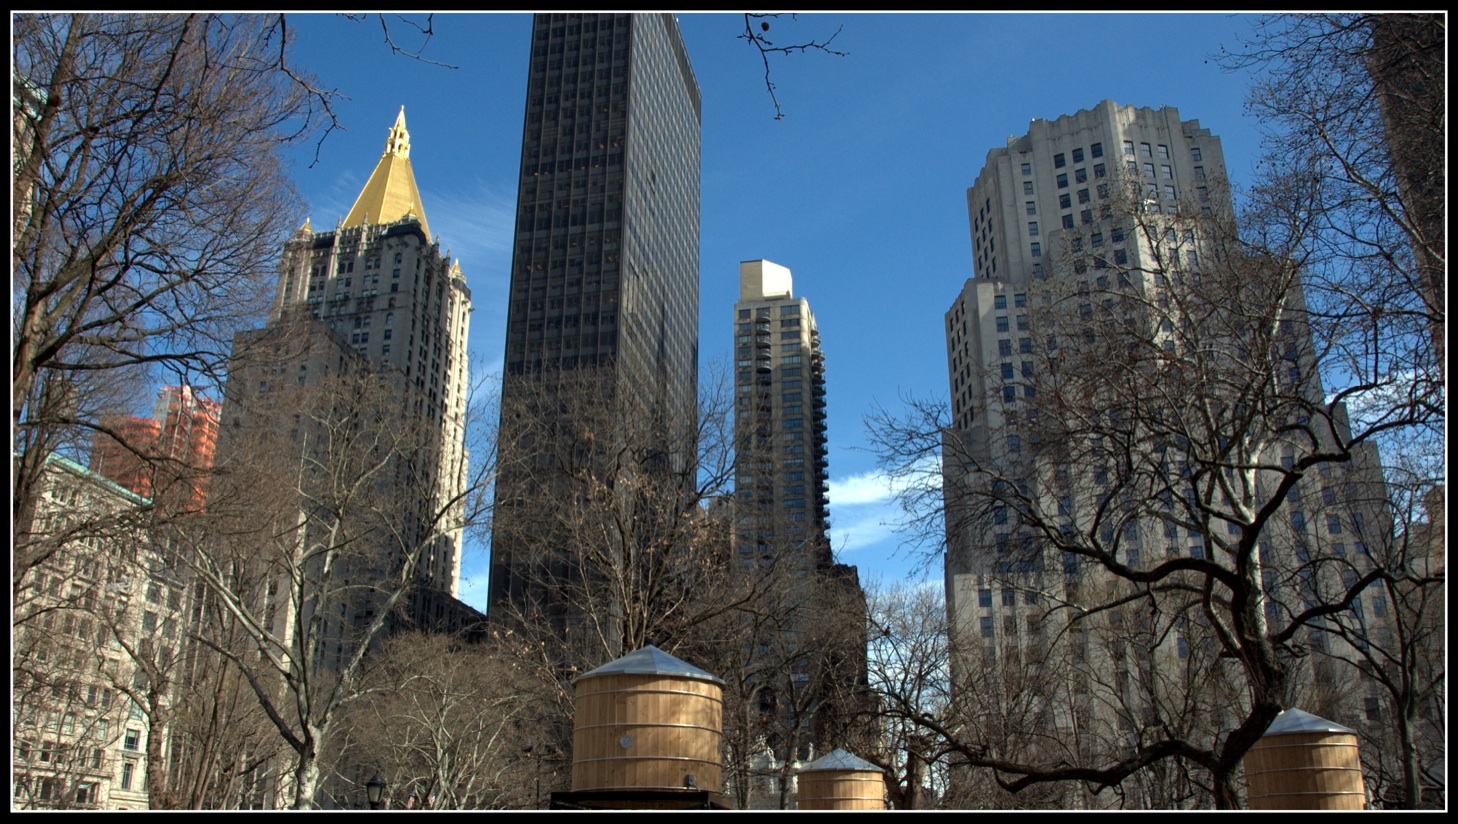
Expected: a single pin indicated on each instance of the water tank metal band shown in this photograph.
(647, 724)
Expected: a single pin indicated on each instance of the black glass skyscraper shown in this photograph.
(604, 277)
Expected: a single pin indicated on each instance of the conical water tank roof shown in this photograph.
(839, 759)
(651, 660)
(1294, 721)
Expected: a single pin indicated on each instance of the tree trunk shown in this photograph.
(1412, 790)
(306, 778)
(1227, 794)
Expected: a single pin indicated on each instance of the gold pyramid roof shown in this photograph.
(390, 193)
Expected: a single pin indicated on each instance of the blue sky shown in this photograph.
(860, 190)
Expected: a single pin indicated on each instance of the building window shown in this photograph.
(132, 740)
(1080, 175)
(1004, 347)
(1096, 150)
(1144, 150)
(1078, 155)
(1028, 169)
(1099, 173)
(1372, 707)
(1027, 187)
(1166, 172)
(1031, 207)
(1334, 524)
(1149, 170)
(1298, 521)
(984, 597)
(126, 777)
(1199, 172)
(1129, 148)
(1063, 181)
(999, 302)
(1195, 153)
(1083, 196)
(1037, 250)
(1020, 300)
(1033, 228)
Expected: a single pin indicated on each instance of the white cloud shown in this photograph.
(875, 487)
(476, 221)
(865, 488)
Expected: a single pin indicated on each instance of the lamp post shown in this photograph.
(375, 791)
(529, 751)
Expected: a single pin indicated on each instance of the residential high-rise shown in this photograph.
(779, 388)
(812, 681)
(176, 446)
(1109, 299)
(604, 276)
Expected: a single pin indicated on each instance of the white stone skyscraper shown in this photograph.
(1135, 401)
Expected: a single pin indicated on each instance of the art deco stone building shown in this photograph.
(1102, 243)
(604, 275)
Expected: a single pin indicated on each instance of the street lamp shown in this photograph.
(528, 750)
(375, 791)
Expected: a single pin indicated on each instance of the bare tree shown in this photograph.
(1354, 106)
(603, 539)
(443, 721)
(908, 665)
(756, 33)
(1395, 639)
(310, 542)
(148, 197)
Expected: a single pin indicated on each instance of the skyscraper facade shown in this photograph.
(781, 472)
(604, 277)
(1108, 301)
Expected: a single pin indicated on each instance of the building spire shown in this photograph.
(398, 143)
(390, 194)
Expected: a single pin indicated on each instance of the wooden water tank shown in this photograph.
(1305, 763)
(647, 721)
(841, 781)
